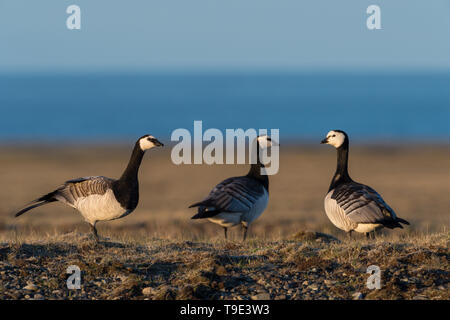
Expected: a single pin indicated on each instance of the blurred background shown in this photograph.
(72, 103)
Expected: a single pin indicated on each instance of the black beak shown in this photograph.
(324, 141)
(157, 143)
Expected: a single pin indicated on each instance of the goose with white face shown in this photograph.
(99, 198)
(238, 200)
(334, 138)
(147, 142)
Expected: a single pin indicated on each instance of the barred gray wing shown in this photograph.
(362, 204)
(237, 194)
(75, 189)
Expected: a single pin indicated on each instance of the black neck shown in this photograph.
(341, 175)
(256, 168)
(131, 172)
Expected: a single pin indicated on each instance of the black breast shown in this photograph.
(127, 194)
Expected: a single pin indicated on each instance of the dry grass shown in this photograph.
(413, 267)
(158, 247)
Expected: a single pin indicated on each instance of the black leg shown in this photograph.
(245, 232)
(94, 231)
(349, 234)
(370, 235)
(225, 229)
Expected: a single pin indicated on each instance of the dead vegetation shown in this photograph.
(159, 253)
(412, 268)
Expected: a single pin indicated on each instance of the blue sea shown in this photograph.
(118, 107)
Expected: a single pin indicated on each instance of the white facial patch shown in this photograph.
(336, 139)
(264, 142)
(146, 144)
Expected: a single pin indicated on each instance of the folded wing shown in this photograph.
(363, 204)
(237, 194)
(75, 189)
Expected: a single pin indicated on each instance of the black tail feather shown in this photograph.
(38, 202)
(203, 214)
(194, 205)
(392, 224)
(30, 207)
(197, 204)
(402, 221)
(49, 197)
(203, 211)
(198, 215)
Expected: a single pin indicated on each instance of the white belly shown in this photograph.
(367, 227)
(336, 215)
(227, 219)
(100, 207)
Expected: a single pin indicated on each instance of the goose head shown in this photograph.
(147, 142)
(336, 138)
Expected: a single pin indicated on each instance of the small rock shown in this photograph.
(314, 287)
(38, 297)
(221, 271)
(261, 282)
(305, 283)
(147, 291)
(261, 296)
(281, 297)
(357, 296)
(30, 286)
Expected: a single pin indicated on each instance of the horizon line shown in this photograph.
(222, 70)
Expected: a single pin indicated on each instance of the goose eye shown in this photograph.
(333, 135)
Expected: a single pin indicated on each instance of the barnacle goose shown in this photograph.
(99, 198)
(352, 206)
(238, 200)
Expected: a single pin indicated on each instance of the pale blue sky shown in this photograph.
(223, 34)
